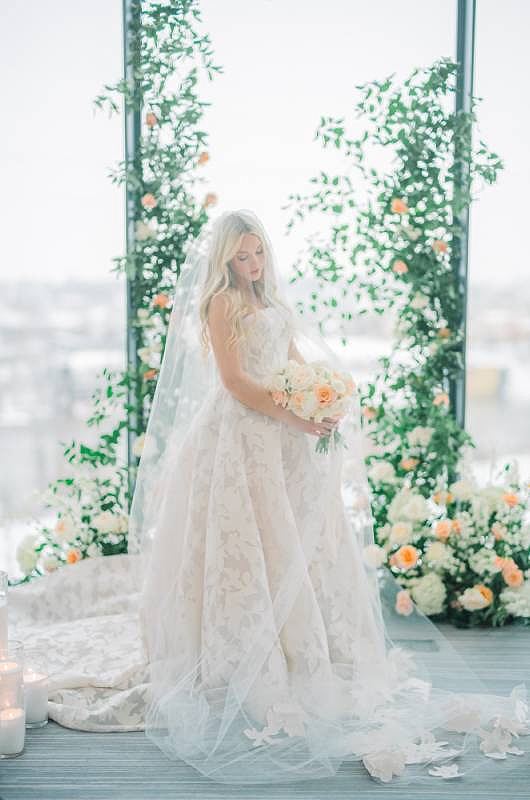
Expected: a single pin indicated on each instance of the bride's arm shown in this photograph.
(238, 382)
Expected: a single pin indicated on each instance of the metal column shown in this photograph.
(132, 123)
(465, 53)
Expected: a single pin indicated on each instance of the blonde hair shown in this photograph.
(227, 234)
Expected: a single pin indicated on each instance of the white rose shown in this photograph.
(416, 508)
(309, 406)
(462, 490)
(483, 562)
(408, 505)
(382, 472)
(429, 593)
(144, 231)
(122, 526)
(25, 553)
(338, 386)
(473, 600)
(65, 529)
(410, 231)
(50, 563)
(93, 550)
(400, 533)
(439, 553)
(374, 555)
(303, 377)
(517, 599)
(105, 522)
(419, 301)
(420, 436)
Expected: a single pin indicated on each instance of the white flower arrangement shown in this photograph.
(462, 553)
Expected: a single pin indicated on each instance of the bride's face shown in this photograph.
(249, 260)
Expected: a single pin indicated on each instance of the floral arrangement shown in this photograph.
(392, 252)
(463, 553)
(313, 391)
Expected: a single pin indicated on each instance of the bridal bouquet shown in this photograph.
(313, 391)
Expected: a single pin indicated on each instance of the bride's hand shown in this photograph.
(323, 428)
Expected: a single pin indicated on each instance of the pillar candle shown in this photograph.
(35, 696)
(12, 731)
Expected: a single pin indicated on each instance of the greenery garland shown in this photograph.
(168, 56)
(392, 250)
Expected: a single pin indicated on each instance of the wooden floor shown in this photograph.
(63, 764)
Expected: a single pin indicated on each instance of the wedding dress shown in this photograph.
(245, 632)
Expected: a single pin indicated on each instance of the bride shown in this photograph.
(274, 647)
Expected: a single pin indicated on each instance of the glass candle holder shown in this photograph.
(3, 612)
(36, 683)
(12, 711)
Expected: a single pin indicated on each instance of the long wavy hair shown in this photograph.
(227, 235)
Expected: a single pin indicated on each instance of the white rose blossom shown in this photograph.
(26, 556)
(429, 593)
(420, 436)
(382, 472)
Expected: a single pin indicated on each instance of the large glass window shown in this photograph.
(498, 401)
(61, 308)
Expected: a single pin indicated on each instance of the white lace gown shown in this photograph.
(242, 495)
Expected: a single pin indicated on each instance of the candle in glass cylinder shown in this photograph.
(12, 731)
(35, 698)
(10, 682)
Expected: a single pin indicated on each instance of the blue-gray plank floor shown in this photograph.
(63, 764)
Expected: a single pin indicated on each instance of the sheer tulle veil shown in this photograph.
(404, 697)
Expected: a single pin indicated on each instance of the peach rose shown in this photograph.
(203, 158)
(150, 119)
(404, 604)
(501, 562)
(161, 300)
(510, 498)
(439, 246)
(151, 373)
(149, 200)
(400, 267)
(442, 398)
(513, 576)
(350, 387)
(399, 206)
(279, 398)
(406, 557)
(297, 399)
(409, 463)
(444, 333)
(210, 200)
(485, 591)
(73, 555)
(442, 529)
(456, 526)
(325, 394)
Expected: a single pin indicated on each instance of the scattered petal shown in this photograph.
(447, 771)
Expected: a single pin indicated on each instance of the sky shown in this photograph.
(285, 64)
